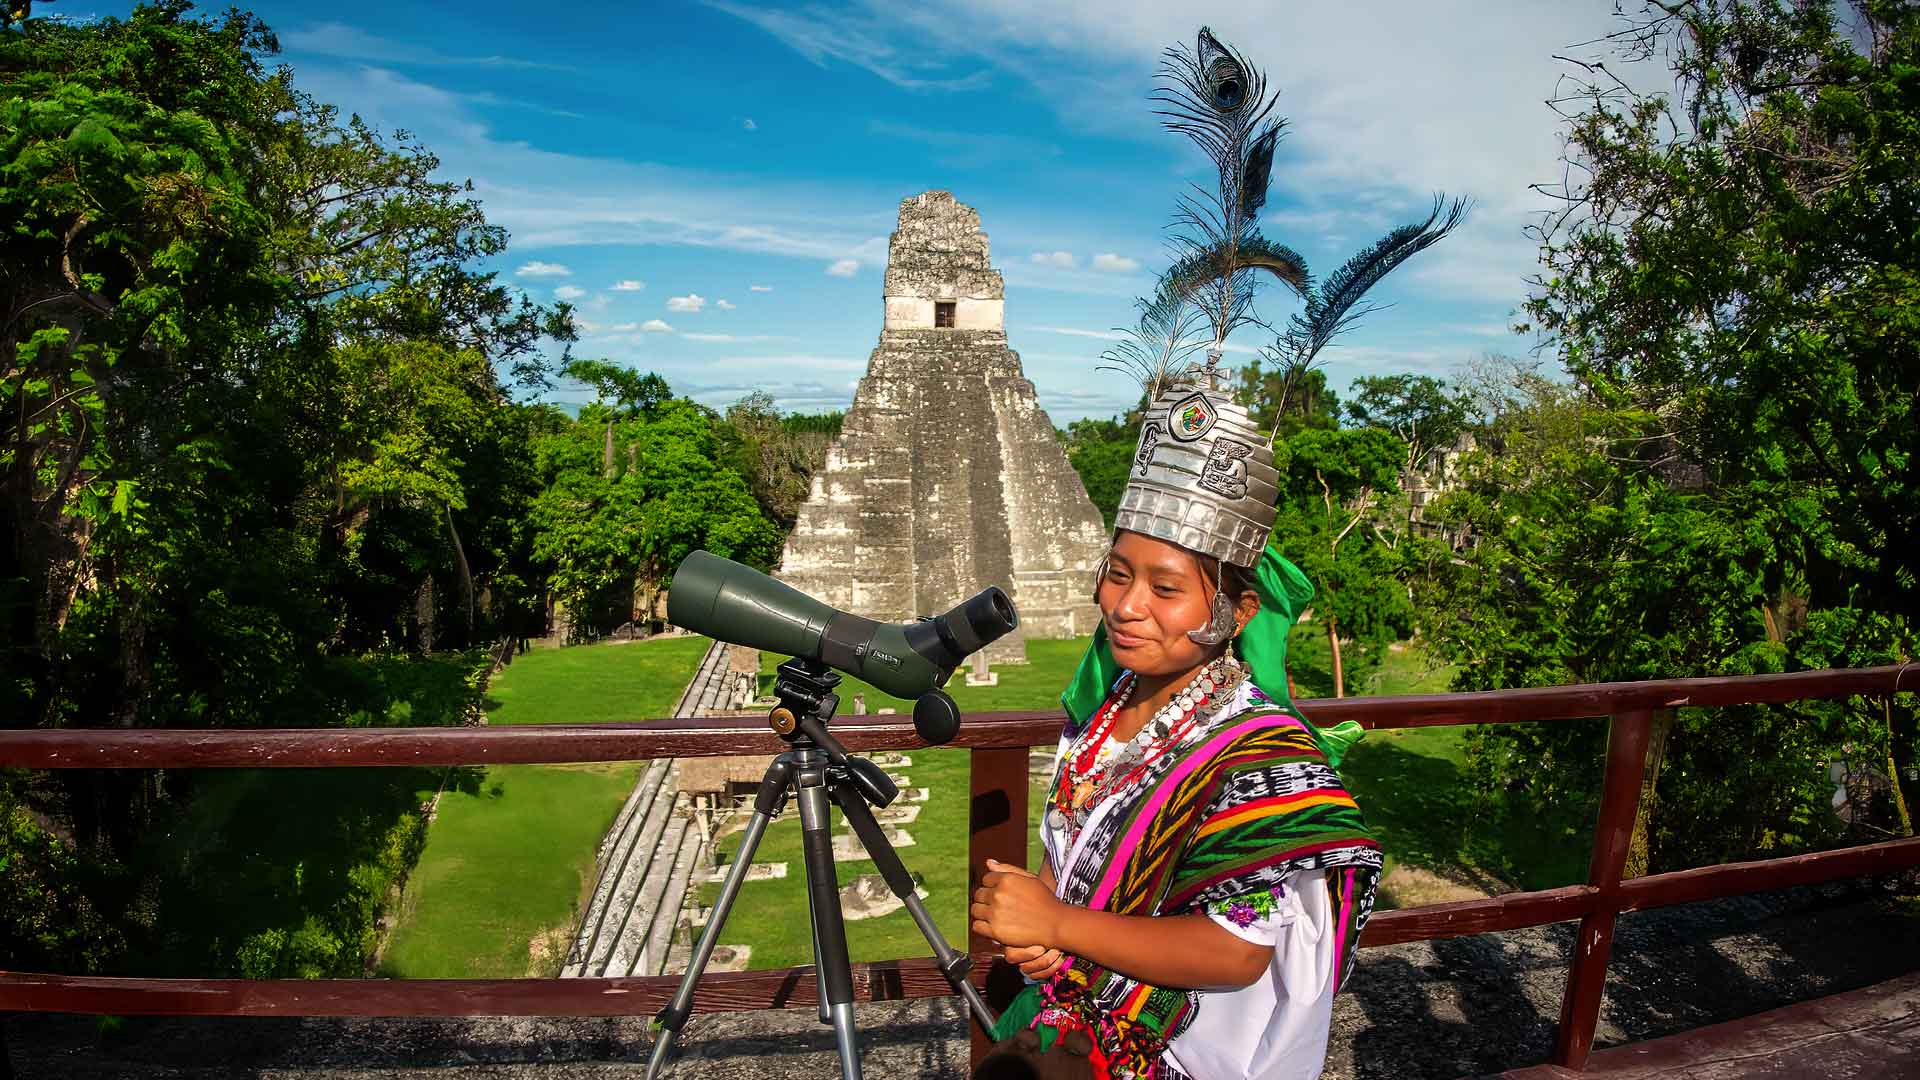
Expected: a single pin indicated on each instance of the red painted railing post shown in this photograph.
(997, 829)
(1613, 832)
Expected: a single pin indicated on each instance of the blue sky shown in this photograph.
(713, 183)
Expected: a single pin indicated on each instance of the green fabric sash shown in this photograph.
(1284, 592)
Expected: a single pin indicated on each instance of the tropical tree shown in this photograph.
(626, 499)
(1422, 411)
(1736, 273)
(1333, 483)
(1730, 484)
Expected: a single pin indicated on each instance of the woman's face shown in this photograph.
(1152, 594)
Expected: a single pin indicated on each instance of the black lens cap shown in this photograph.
(935, 717)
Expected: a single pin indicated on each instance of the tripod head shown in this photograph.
(807, 701)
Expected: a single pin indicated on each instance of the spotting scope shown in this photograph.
(725, 600)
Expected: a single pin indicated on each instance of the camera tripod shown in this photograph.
(818, 768)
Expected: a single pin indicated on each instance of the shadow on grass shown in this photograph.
(284, 872)
(1425, 813)
(400, 691)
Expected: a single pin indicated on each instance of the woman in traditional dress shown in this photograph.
(1206, 873)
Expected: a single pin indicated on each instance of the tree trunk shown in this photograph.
(466, 572)
(1903, 764)
(423, 614)
(1638, 848)
(1339, 672)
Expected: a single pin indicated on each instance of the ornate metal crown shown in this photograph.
(1202, 475)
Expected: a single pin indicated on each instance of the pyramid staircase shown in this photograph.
(648, 859)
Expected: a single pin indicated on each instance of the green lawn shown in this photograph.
(1413, 786)
(509, 857)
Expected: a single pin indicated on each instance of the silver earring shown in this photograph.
(1220, 623)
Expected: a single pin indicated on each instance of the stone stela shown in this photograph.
(946, 477)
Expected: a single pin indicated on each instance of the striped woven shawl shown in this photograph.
(1240, 805)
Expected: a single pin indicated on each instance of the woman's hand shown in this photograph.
(1036, 962)
(1013, 907)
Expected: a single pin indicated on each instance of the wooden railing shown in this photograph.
(999, 744)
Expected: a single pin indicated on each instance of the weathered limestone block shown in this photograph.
(946, 476)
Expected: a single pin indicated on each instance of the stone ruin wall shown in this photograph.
(947, 476)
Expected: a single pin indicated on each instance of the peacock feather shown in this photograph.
(1214, 96)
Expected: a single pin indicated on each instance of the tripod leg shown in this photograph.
(767, 803)
(829, 929)
(954, 965)
(819, 969)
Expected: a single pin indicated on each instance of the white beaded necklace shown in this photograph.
(1212, 682)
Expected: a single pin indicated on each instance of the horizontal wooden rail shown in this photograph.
(1509, 911)
(888, 980)
(1737, 879)
(175, 748)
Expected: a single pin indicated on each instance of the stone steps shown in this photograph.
(624, 876)
(648, 857)
(666, 913)
(662, 848)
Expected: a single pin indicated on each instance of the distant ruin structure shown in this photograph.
(946, 476)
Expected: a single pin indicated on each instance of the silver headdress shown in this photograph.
(1202, 474)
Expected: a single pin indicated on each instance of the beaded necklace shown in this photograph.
(1086, 780)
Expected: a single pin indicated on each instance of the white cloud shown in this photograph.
(857, 38)
(724, 305)
(1103, 335)
(624, 328)
(689, 303)
(844, 268)
(656, 326)
(543, 269)
(759, 288)
(1464, 111)
(1117, 264)
(342, 39)
(569, 292)
(629, 285)
(749, 125)
(1062, 260)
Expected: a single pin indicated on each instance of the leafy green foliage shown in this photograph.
(627, 500)
(1420, 409)
(1728, 485)
(1285, 400)
(1101, 451)
(1332, 484)
(256, 422)
(776, 454)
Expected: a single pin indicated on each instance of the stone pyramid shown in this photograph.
(946, 476)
